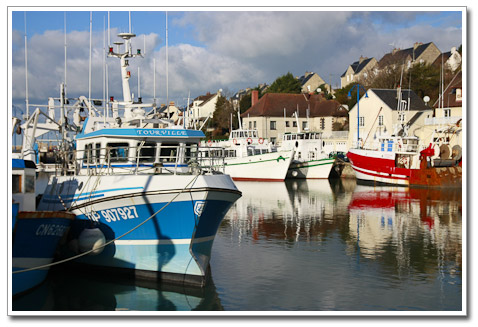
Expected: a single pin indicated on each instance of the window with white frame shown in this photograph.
(401, 118)
(273, 125)
(361, 121)
(380, 120)
(447, 112)
(322, 123)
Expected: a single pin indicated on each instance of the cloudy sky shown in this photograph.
(212, 48)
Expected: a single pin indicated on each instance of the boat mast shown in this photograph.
(65, 47)
(167, 72)
(89, 70)
(26, 68)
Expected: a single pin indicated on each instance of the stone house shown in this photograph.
(419, 53)
(383, 111)
(359, 69)
(277, 113)
(311, 81)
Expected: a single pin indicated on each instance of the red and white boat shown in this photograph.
(398, 160)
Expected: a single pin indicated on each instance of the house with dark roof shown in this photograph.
(204, 106)
(277, 113)
(311, 81)
(420, 53)
(385, 112)
(359, 69)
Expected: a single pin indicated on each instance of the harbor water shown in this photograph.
(303, 245)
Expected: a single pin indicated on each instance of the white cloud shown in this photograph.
(235, 50)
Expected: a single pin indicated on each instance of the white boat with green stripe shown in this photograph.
(310, 158)
(251, 158)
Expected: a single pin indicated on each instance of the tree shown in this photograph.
(285, 84)
(327, 95)
(342, 95)
(221, 119)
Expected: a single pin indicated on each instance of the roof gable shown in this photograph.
(389, 97)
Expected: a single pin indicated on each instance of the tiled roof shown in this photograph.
(273, 105)
(389, 97)
(401, 55)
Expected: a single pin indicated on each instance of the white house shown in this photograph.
(204, 106)
(383, 111)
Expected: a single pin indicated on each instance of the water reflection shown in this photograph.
(407, 230)
(69, 291)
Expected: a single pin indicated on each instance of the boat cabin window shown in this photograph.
(118, 152)
(29, 184)
(231, 153)
(98, 152)
(29, 181)
(146, 151)
(168, 152)
(16, 184)
(91, 155)
(87, 154)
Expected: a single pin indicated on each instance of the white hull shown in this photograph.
(262, 167)
(318, 169)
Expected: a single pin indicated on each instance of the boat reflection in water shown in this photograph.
(75, 292)
(416, 222)
(415, 232)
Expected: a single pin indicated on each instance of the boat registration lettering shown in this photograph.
(51, 230)
(116, 214)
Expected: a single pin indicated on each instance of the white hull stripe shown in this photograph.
(164, 242)
(368, 172)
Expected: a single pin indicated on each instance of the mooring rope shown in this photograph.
(113, 240)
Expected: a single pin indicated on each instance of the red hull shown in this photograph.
(371, 169)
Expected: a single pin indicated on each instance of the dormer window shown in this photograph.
(458, 94)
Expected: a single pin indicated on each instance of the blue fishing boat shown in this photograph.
(147, 199)
(36, 235)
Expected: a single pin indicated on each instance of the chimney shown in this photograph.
(362, 59)
(453, 50)
(416, 45)
(255, 97)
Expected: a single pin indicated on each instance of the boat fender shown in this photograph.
(91, 239)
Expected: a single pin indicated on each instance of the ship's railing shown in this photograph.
(401, 145)
(170, 159)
